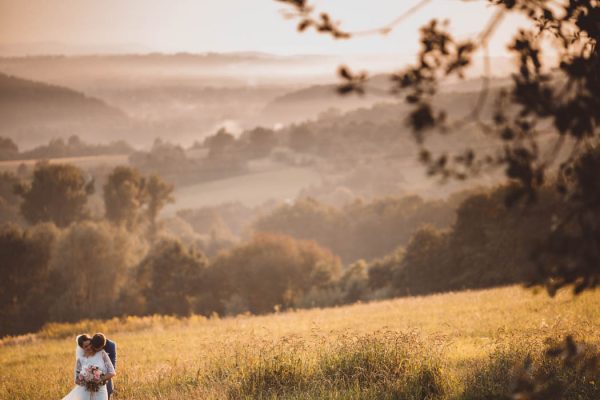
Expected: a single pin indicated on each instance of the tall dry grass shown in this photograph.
(466, 345)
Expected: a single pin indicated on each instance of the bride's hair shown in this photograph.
(83, 338)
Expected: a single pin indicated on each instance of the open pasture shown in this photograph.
(450, 346)
(250, 189)
(84, 162)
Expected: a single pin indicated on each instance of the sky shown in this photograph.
(197, 26)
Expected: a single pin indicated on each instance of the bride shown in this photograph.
(86, 356)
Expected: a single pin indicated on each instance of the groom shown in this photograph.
(100, 342)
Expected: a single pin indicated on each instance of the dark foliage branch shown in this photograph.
(531, 383)
(324, 24)
(558, 102)
(545, 102)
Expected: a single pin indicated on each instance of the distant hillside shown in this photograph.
(91, 72)
(309, 102)
(32, 111)
(182, 96)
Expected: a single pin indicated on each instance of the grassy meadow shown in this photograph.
(451, 346)
(251, 189)
(81, 162)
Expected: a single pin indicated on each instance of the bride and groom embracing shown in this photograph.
(95, 361)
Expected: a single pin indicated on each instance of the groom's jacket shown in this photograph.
(111, 350)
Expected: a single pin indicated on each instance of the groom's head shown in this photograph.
(98, 341)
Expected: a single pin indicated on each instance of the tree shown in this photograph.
(124, 196)
(306, 219)
(75, 142)
(58, 193)
(384, 272)
(130, 198)
(159, 194)
(9, 200)
(92, 260)
(260, 142)
(354, 282)
(272, 271)
(27, 284)
(549, 100)
(301, 138)
(8, 149)
(171, 279)
(425, 264)
(219, 143)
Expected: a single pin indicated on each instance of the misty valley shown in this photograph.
(281, 225)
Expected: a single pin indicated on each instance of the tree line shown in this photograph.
(63, 264)
(66, 265)
(73, 146)
(361, 229)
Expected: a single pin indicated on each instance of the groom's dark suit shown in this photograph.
(111, 350)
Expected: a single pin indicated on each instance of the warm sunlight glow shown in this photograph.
(89, 26)
(299, 199)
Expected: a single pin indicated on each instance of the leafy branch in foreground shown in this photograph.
(531, 383)
(546, 123)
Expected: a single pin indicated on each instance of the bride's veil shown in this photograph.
(78, 392)
(78, 350)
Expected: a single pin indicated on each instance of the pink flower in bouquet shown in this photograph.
(93, 378)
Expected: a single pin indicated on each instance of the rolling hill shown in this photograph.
(466, 345)
(32, 111)
(310, 101)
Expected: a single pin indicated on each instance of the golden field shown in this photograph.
(450, 346)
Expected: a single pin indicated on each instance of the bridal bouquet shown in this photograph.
(92, 378)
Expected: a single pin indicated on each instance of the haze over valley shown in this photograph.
(300, 199)
(291, 134)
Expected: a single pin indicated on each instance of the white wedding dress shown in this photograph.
(100, 360)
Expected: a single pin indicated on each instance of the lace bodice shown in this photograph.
(100, 360)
